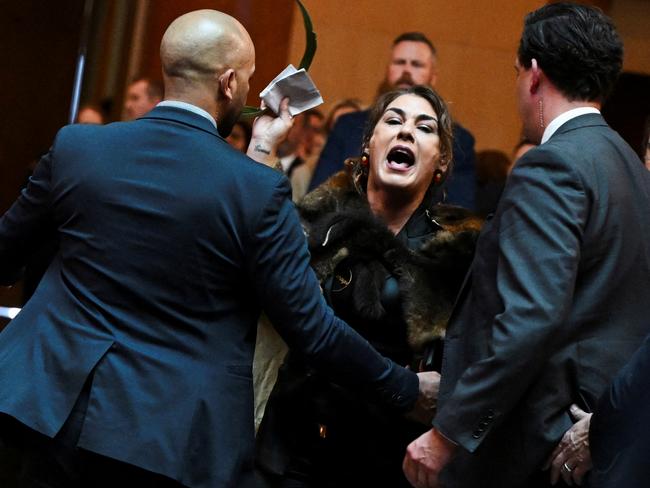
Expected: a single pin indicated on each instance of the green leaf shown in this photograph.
(310, 38)
(249, 112)
(305, 62)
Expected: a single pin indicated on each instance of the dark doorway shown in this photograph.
(628, 107)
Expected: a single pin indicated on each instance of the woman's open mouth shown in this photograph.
(400, 158)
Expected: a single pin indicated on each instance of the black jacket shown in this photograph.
(397, 291)
(619, 435)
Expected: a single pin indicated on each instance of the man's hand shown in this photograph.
(572, 458)
(268, 133)
(425, 407)
(425, 458)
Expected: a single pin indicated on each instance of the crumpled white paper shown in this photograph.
(295, 84)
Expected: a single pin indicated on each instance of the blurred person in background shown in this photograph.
(343, 107)
(298, 153)
(90, 113)
(240, 136)
(142, 95)
(523, 146)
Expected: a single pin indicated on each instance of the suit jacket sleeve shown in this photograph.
(623, 412)
(291, 297)
(540, 227)
(24, 225)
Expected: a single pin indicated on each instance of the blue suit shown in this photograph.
(171, 242)
(345, 142)
(619, 435)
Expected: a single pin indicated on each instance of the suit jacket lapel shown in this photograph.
(460, 297)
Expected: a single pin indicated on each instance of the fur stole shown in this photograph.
(338, 223)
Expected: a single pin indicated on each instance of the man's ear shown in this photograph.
(228, 83)
(433, 79)
(536, 75)
(434, 72)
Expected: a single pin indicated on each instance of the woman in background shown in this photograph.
(343, 107)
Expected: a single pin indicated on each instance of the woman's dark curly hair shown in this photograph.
(360, 173)
(576, 46)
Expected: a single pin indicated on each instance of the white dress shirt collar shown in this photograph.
(561, 119)
(190, 107)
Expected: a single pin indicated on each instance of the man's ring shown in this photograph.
(567, 467)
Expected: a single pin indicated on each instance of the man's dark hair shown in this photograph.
(415, 37)
(154, 87)
(576, 46)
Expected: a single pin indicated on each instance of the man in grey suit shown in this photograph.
(554, 303)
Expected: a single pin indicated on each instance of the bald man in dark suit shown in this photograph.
(131, 363)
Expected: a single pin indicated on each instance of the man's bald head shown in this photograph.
(207, 59)
(204, 42)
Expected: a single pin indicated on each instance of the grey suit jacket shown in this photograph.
(555, 302)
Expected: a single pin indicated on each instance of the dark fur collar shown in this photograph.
(338, 223)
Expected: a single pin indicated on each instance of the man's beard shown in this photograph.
(228, 121)
(385, 86)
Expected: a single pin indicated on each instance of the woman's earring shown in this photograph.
(364, 160)
(437, 176)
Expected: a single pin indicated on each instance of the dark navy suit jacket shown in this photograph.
(345, 142)
(619, 435)
(555, 303)
(171, 242)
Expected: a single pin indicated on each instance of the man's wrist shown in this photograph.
(262, 152)
(262, 148)
(263, 143)
(445, 439)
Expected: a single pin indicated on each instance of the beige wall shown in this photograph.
(476, 42)
(632, 18)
